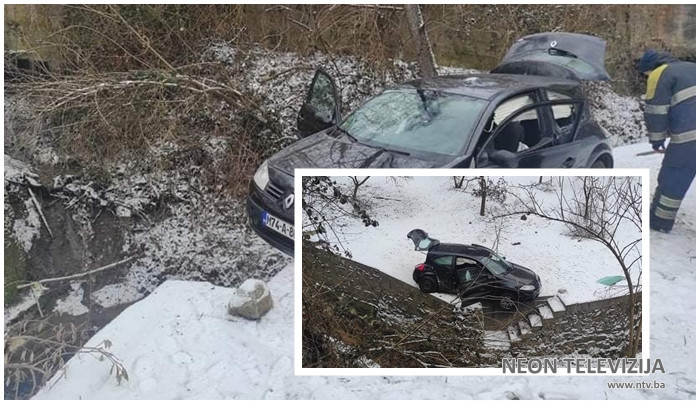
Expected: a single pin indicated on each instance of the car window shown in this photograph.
(445, 260)
(523, 132)
(416, 121)
(466, 269)
(576, 64)
(511, 105)
(322, 97)
(495, 264)
(424, 243)
(565, 116)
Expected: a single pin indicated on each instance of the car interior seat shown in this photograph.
(509, 137)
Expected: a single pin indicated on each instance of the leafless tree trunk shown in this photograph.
(426, 57)
(458, 181)
(357, 183)
(482, 184)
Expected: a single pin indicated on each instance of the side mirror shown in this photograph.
(504, 158)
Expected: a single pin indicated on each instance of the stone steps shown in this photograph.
(535, 321)
(556, 305)
(525, 330)
(513, 333)
(545, 312)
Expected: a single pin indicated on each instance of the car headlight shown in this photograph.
(261, 177)
(527, 288)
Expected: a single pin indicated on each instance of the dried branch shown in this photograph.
(75, 276)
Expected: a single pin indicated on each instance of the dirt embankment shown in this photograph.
(356, 316)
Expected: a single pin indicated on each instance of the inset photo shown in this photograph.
(468, 272)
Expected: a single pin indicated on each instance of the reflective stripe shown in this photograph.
(681, 137)
(653, 136)
(683, 95)
(653, 81)
(665, 214)
(669, 202)
(656, 109)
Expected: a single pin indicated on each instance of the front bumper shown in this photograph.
(273, 238)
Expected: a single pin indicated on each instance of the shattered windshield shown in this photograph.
(416, 120)
(495, 264)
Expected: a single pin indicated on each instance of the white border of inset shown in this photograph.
(432, 172)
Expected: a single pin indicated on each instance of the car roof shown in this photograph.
(460, 249)
(488, 86)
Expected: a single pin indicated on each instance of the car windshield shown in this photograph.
(416, 120)
(495, 264)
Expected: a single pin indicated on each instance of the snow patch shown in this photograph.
(72, 304)
(26, 230)
(114, 295)
(25, 302)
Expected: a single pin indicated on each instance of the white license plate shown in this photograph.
(278, 225)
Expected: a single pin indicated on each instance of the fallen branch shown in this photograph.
(41, 213)
(74, 276)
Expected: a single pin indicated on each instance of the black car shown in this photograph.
(529, 112)
(472, 271)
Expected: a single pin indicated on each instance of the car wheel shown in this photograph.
(428, 284)
(599, 164)
(508, 302)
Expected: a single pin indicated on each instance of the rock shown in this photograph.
(523, 217)
(123, 211)
(251, 300)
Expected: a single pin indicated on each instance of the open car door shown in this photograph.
(421, 240)
(321, 109)
(557, 54)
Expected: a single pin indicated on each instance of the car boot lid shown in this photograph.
(557, 54)
(421, 240)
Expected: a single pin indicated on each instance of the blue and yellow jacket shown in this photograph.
(670, 101)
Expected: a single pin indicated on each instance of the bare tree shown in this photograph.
(324, 202)
(596, 209)
(357, 182)
(426, 57)
(486, 189)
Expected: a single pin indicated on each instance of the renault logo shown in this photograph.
(289, 201)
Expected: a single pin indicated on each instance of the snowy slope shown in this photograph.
(566, 265)
(177, 343)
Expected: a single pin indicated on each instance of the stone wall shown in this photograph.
(598, 329)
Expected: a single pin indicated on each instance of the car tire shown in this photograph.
(599, 164)
(427, 284)
(508, 302)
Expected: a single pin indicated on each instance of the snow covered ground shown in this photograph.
(179, 343)
(568, 266)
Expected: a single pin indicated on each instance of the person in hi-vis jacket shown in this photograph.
(669, 112)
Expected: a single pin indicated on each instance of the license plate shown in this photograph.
(278, 225)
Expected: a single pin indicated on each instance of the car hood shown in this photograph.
(558, 54)
(520, 274)
(323, 151)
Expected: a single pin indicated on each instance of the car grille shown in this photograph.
(273, 191)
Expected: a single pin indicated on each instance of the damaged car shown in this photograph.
(529, 112)
(473, 272)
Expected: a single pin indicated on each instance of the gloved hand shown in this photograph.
(658, 145)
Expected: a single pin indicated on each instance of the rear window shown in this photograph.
(576, 64)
